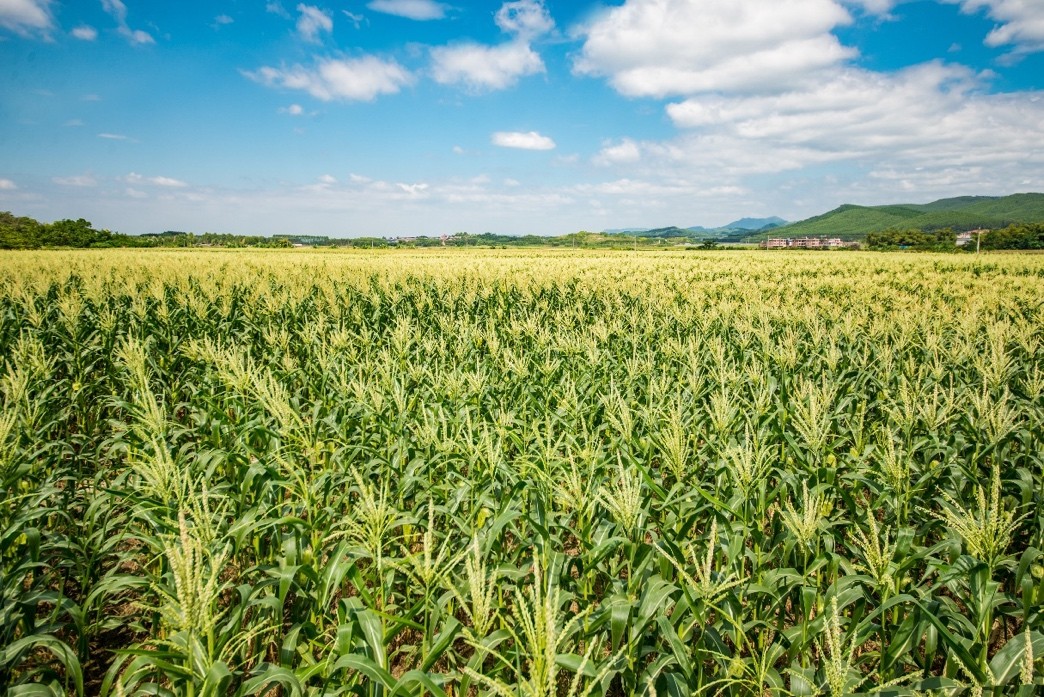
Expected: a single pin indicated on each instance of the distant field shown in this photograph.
(452, 472)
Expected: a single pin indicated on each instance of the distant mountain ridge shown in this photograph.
(961, 213)
(853, 222)
(733, 231)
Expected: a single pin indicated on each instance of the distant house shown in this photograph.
(964, 238)
(802, 243)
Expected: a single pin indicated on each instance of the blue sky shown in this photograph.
(400, 117)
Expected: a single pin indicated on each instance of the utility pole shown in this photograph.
(978, 239)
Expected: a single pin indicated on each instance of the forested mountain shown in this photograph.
(961, 213)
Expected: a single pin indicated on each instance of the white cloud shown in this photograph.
(483, 67)
(413, 189)
(221, 20)
(135, 193)
(1022, 22)
(357, 79)
(523, 141)
(525, 18)
(625, 151)
(113, 136)
(478, 66)
(166, 182)
(328, 179)
(931, 109)
(930, 130)
(118, 11)
(294, 110)
(26, 16)
(82, 180)
(657, 48)
(7, 185)
(874, 7)
(276, 8)
(421, 10)
(312, 22)
(85, 33)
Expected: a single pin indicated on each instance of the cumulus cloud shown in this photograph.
(530, 140)
(82, 180)
(413, 189)
(355, 79)
(293, 110)
(478, 66)
(658, 48)
(420, 10)
(485, 67)
(168, 182)
(26, 17)
(874, 7)
(276, 8)
(1022, 22)
(85, 33)
(932, 113)
(118, 11)
(313, 22)
(222, 20)
(7, 185)
(930, 129)
(524, 18)
(624, 151)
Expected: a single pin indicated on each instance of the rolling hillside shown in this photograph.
(961, 213)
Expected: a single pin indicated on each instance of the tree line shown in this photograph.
(1025, 236)
(26, 233)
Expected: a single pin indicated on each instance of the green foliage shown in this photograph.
(1015, 237)
(19, 233)
(941, 240)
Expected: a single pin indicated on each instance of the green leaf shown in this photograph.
(1008, 660)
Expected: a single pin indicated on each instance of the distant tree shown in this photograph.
(19, 232)
(462, 239)
(69, 233)
(1029, 236)
(944, 239)
(368, 242)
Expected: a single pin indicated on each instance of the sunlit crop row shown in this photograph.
(520, 473)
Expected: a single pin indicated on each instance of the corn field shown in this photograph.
(520, 473)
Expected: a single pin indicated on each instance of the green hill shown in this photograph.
(960, 213)
(949, 204)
